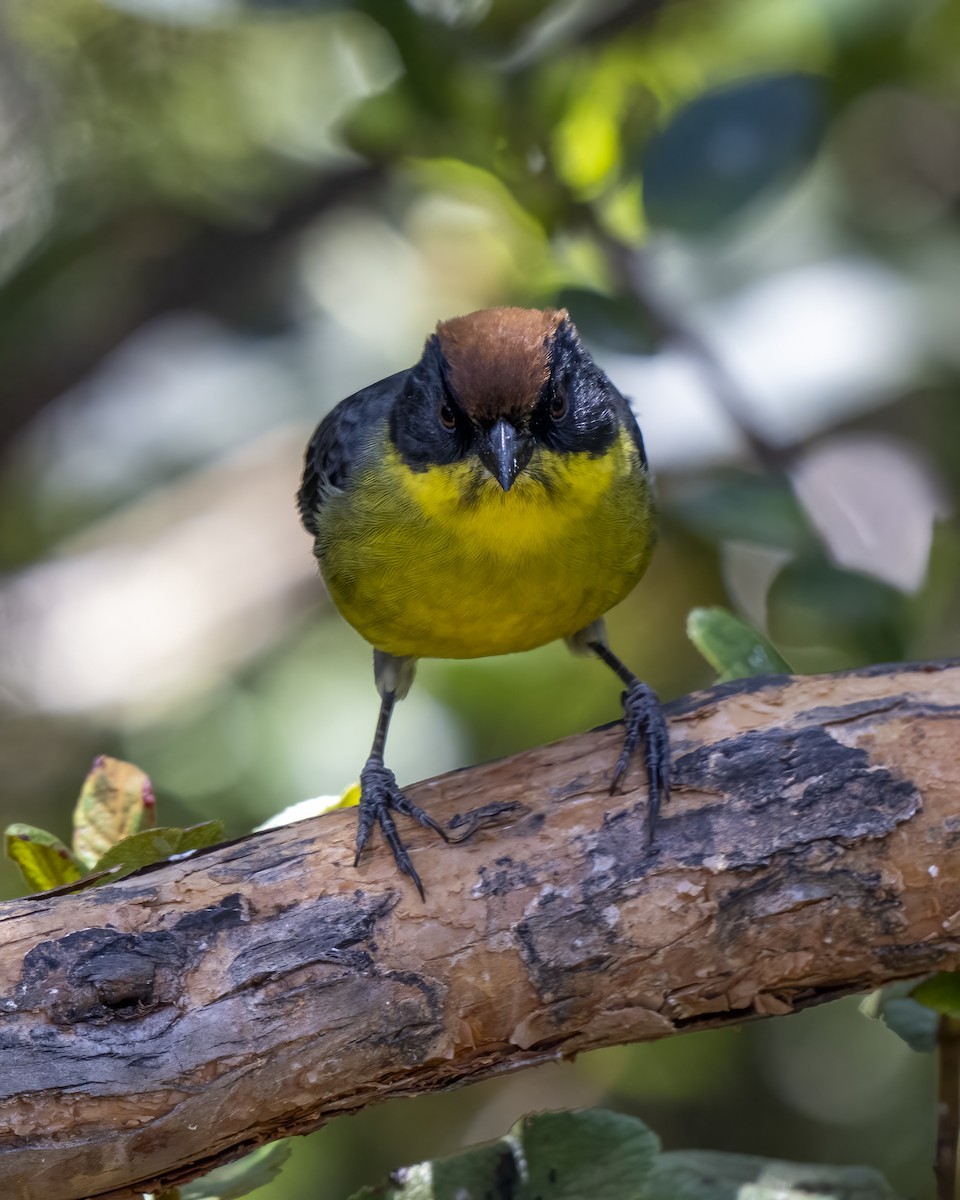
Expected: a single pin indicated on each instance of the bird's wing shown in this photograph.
(339, 442)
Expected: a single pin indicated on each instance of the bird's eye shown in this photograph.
(558, 405)
(447, 418)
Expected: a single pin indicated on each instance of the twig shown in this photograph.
(629, 267)
(207, 267)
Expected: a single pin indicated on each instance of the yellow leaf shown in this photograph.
(44, 861)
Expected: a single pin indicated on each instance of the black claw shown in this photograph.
(402, 804)
(643, 720)
(379, 794)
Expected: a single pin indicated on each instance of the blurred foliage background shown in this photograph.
(218, 218)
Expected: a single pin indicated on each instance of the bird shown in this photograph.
(493, 497)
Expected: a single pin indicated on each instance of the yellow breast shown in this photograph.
(444, 564)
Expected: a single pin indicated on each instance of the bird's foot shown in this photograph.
(379, 797)
(644, 721)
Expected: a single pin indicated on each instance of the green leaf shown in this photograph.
(732, 648)
(713, 1175)
(739, 506)
(576, 1154)
(729, 145)
(116, 801)
(239, 1178)
(941, 993)
(554, 1156)
(913, 1022)
(813, 602)
(607, 1156)
(44, 861)
(154, 845)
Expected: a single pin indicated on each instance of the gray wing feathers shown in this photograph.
(338, 442)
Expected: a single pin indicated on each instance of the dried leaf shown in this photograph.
(116, 800)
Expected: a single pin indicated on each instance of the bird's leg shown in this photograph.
(643, 718)
(379, 794)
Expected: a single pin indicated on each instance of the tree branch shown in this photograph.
(161, 261)
(153, 1028)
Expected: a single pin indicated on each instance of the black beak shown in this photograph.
(504, 452)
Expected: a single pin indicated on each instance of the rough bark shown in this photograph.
(182, 1016)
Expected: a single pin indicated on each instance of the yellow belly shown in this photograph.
(444, 564)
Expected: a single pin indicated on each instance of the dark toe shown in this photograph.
(644, 721)
(380, 797)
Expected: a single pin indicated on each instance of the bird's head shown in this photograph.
(500, 385)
